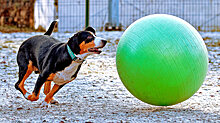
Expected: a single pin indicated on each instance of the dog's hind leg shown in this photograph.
(24, 71)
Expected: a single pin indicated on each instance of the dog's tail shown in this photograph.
(52, 25)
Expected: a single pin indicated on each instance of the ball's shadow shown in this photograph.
(172, 112)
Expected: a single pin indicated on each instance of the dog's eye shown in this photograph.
(89, 39)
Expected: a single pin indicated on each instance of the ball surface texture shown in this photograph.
(161, 59)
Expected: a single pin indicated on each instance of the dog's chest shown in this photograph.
(66, 75)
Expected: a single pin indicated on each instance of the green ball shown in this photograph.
(161, 59)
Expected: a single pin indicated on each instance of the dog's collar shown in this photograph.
(73, 56)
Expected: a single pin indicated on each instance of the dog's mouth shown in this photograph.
(96, 50)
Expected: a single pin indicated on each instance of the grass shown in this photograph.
(11, 29)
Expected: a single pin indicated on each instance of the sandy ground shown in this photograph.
(98, 95)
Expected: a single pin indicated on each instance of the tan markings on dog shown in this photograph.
(31, 66)
(85, 46)
(47, 86)
(51, 76)
(30, 69)
(49, 96)
(33, 97)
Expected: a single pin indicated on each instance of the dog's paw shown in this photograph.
(26, 95)
(32, 97)
(54, 101)
(45, 105)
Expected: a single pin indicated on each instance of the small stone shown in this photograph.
(19, 108)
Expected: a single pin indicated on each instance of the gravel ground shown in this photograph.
(98, 95)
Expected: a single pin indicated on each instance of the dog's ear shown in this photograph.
(90, 29)
(74, 44)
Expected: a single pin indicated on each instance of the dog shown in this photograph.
(54, 60)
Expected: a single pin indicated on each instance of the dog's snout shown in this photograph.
(104, 42)
(100, 42)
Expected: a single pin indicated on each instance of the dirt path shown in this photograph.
(98, 95)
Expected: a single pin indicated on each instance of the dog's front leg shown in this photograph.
(54, 90)
(36, 92)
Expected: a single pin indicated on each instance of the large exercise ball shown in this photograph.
(161, 59)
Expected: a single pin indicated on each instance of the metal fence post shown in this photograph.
(110, 11)
(87, 14)
(113, 16)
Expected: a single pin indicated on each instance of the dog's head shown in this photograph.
(86, 42)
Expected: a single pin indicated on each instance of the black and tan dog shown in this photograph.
(54, 61)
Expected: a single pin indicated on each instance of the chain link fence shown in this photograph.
(204, 15)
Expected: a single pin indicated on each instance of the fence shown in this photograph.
(204, 15)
